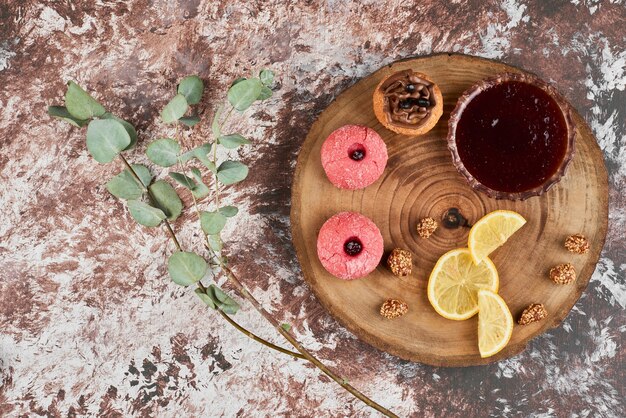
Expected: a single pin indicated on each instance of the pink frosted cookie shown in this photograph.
(354, 157)
(349, 245)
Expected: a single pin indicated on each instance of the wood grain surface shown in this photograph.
(421, 181)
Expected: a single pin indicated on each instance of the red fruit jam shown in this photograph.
(512, 137)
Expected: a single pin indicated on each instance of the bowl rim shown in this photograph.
(468, 95)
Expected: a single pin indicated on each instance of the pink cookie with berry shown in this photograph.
(349, 245)
(354, 157)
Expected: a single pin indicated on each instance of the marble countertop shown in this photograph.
(90, 323)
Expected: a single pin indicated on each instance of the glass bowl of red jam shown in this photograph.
(511, 136)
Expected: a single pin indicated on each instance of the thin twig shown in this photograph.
(259, 339)
(250, 334)
(292, 340)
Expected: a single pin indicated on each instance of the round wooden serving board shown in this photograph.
(421, 181)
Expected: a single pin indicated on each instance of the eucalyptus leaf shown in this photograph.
(212, 222)
(238, 80)
(145, 214)
(221, 299)
(266, 77)
(216, 243)
(201, 190)
(143, 173)
(189, 120)
(207, 162)
(210, 165)
(61, 112)
(233, 141)
(187, 156)
(163, 152)
(124, 186)
(105, 139)
(207, 299)
(183, 180)
(191, 87)
(244, 93)
(215, 125)
(198, 189)
(186, 268)
(166, 199)
(129, 128)
(175, 109)
(200, 153)
(229, 211)
(266, 93)
(231, 172)
(80, 104)
(196, 174)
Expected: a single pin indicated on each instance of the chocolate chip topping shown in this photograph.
(408, 99)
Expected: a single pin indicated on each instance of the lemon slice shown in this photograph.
(491, 231)
(495, 323)
(454, 283)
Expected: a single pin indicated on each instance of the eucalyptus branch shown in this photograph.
(152, 203)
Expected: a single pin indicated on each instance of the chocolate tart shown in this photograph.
(408, 103)
(511, 136)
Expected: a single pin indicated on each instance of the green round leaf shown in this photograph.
(80, 104)
(200, 153)
(266, 93)
(215, 242)
(124, 186)
(244, 93)
(145, 214)
(196, 174)
(229, 211)
(212, 222)
(183, 180)
(231, 172)
(189, 120)
(266, 77)
(207, 299)
(163, 152)
(129, 128)
(143, 173)
(201, 190)
(105, 139)
(238, 80)
(233, 141)
(166, 199)
(221, 299)
(191, 87)
(175, 109)
(60, 112)
(186, 268)
(285, 326)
